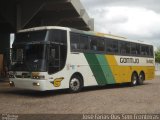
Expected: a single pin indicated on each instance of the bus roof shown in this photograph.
(43, 28)
(93, 33)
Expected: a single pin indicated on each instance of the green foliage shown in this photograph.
(157, 55)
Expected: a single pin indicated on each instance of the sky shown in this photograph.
(134, 19)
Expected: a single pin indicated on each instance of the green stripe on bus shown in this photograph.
(96, 68)
(106, 69)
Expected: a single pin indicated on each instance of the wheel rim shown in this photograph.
(74, 84)
(141, 77)
(134, 80)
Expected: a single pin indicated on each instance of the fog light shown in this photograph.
(11, 83)
(36, 84)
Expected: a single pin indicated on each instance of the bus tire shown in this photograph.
(75, 84)
(134, 79)
(141, 78)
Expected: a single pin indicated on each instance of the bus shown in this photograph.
(53, 57)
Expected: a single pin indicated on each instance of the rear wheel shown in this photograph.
(134, 79)
(141, 79)
(75, 84)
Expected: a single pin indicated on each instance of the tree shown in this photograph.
(157, 55)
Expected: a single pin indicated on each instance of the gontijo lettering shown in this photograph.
(129, 60)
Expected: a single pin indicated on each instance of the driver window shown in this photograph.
(54, 64)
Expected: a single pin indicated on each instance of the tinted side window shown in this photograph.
(93, 44)
(151, 51)
(97, 44)
(135, 49)
(144, 50)
(84, 42)
(101, 44)
(124, 47)
(74, 37)
(111, 46)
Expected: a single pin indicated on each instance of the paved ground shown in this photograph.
(110, 99)
(157, 73)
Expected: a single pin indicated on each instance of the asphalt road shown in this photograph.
(110, 99)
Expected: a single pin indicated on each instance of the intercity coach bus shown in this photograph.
(52, 57)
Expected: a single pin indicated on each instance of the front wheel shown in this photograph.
(75, 84)
(134, 79)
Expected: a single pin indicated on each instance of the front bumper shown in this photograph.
(30, 84)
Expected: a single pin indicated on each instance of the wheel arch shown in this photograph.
(79, 75)
(134, 72)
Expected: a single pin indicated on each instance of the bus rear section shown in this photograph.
(111, 60)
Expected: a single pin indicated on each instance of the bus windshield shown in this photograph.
(29, 57)
(35, 51)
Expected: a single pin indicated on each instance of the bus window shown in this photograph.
(138, 49)
(93, 44)
(97, 44)
(111, 46)
(57, 58)
(74, 41)
(144, 50)
(84, 43)
(124, 47)
(151, 51)
(54, 56)
(101, 45)
(135, 49)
